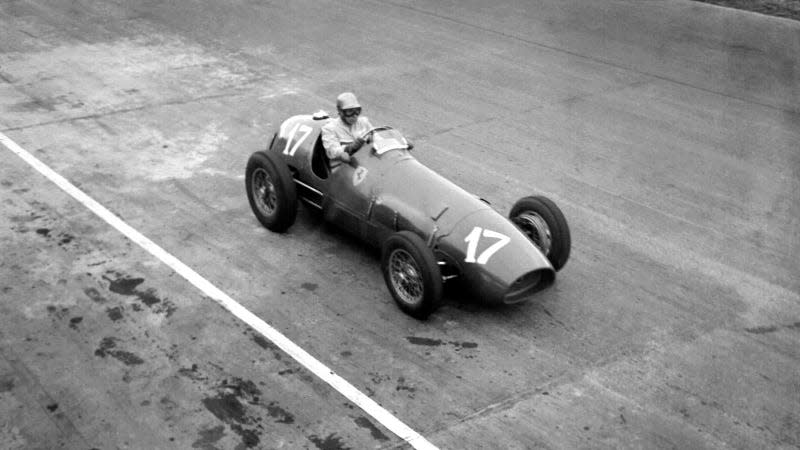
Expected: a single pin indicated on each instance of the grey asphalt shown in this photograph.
(667, 131)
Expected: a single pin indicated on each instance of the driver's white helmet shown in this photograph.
(347, 100)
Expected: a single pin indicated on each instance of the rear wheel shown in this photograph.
(545, 225)
(271, 191)
(411, 274)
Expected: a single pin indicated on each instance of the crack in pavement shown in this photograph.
(29, 383)
(173, 102)
(583, 56)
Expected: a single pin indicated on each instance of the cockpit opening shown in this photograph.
(320, 164)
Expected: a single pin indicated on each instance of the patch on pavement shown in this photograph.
(229, 406)
(108, 346)
(123, 284)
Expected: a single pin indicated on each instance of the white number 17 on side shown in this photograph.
(472, 244)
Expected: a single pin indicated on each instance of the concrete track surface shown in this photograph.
(668, 132)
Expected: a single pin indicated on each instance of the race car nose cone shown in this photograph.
(497, 261)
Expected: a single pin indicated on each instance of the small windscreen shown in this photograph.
(388, 140)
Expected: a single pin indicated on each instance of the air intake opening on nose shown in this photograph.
(528, 284)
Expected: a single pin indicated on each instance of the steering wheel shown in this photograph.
(367, 136)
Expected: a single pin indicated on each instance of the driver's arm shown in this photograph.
(354, 146)
(333, 148)
(364, 125)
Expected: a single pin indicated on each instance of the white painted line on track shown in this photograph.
(319, 369)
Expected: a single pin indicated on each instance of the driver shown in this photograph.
(342, 137)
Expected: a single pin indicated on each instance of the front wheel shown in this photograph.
(271, 191)
(545, 225)
(411, 274)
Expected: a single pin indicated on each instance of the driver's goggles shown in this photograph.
(351, 112)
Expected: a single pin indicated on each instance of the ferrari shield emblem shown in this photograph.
(359, 175)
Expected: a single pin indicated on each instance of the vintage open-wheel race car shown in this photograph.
(429, 230)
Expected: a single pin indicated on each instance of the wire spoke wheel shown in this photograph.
(545, 226)
(406, 277)
(411, 274)
(264, 192)
(271, 191)
(537, 230)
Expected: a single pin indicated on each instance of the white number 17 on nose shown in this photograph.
(472, 244)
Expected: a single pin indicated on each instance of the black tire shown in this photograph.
(271, 191)
(411, 274)
(545, 225)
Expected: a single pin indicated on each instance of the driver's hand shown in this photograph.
(345, 157)
(357, 143)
